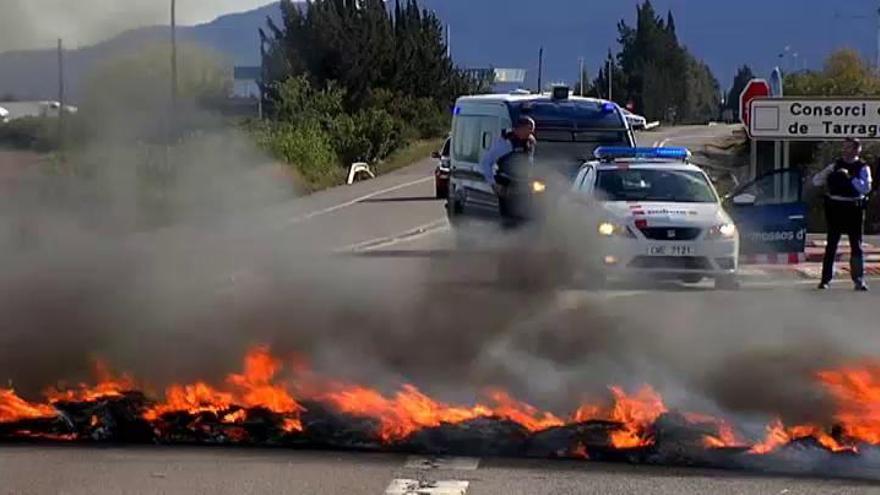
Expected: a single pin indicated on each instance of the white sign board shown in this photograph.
(818, 119)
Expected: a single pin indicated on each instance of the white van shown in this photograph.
(568, 130)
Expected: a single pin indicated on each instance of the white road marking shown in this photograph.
(442, 463)
(422, 487)
(406, 236)
(568, 300)
(331, 209)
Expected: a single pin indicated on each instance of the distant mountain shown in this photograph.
(508, 33)
(33, 74)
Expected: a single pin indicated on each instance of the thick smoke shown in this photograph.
(33, 24)
(174, 283)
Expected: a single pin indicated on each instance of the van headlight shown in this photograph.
(722, 232)
(609, 229)
(538, 187)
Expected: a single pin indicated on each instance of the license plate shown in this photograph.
(671, 250)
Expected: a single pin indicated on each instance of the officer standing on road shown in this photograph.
(519, 141)
(848, 183)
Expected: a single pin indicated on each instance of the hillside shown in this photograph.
(33, 74)
(755, 32)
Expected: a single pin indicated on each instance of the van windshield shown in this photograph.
(566, 151)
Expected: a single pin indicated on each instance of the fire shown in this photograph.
(637, 414)
(253, 388)
(109, 385)
(193, 399)
(778, 435)
(506, 407)
(407, 412)
(725, 434)
(856, 391)
(13, 408)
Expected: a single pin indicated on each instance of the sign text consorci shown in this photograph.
(804, 119)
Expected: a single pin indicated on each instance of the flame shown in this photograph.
(13, 408)
(856, 392)
(194, 399)
(253, 388)
(580, 452)
(506, 407)
(407, 412)
(108, 386)
(636, 413)
(724, 436)
(587, 412)
(778, 435)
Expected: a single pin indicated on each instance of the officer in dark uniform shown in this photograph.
(848, 183)
(513, 153)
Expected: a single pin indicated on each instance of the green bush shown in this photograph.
(367, 136)
(307, 148)
(423, 117)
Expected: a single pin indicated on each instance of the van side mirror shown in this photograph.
(435, 154)
(744, 199)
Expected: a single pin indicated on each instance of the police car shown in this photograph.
(655, 214)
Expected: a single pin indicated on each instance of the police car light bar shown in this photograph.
(616, 152)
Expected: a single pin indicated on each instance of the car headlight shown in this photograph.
(722, 231)
(538, 187)
(608, 229)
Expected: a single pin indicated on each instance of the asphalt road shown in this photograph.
(742, 352)
(161, 471)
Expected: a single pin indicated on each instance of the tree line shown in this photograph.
(358, 78)
(655, 75)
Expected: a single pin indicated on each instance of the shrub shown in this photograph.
(306, 147)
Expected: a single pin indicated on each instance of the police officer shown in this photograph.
(509, 151)
(848, 183)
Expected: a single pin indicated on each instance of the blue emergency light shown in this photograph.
(609, 107)
(617, 152)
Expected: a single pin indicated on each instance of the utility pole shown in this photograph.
(540, 69)
(610, 78)
(174, 87)
(877, 66)
(448, 42)
(583, 93)
(61, 97)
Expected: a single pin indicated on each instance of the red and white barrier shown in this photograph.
(773, 259)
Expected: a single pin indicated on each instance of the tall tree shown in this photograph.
(662, 80)
(362, 45)
(743, 75)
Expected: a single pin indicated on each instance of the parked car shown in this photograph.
(4, 115)
(637, 122)
(443, 171)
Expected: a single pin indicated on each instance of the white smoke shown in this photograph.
(34, 24)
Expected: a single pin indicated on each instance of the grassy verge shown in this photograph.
(418, 150)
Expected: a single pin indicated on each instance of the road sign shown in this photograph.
(814, 119)
(756, 88)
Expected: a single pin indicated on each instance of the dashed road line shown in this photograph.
(330, 209)
(407, 236)
(426, 487)
(442, 463)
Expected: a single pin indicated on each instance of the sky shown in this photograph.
(29, 24)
